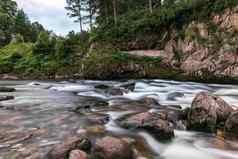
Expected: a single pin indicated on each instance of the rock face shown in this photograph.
(155, 123)
(231, 126)
(112, 148)
(61, 151)
(207, 111)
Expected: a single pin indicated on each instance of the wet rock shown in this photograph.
(61, 151)
(102, 86)
(98, 119)
(86, 105)
(231, 126)
(112, 148)
(98, 129)
(185, 113)
(156, 124)
(207, 111)
(128, 85)
(173, 96)
(3, 98)
(7, 89)
(149, 101)
(9, 139)
(77, 154)
(116, 91)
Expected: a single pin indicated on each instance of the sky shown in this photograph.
(50, 13)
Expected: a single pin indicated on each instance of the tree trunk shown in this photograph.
(91, 15)
(80, 22)
(115, 11)
(150, 6)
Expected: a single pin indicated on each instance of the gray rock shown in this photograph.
(231, 126)
(207, 111)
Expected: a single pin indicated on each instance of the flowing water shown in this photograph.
(41, 116)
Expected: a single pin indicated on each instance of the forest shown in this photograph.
(108, 28)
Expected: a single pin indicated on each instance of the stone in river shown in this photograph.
(3, 98)
(7, 89)
(102, 86)
(116, 91)
(98, 118)
(156, 124)
(231, 126)
(77, 154)
(61, 151)
(128, 85)
(112, 148)
(207, 111)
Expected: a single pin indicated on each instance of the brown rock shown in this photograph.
(155, 123)
(207, 111)
(61, 151)
(231, 126)
(77, 154)
(112, 148)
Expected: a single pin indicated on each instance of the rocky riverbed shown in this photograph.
(142, 119)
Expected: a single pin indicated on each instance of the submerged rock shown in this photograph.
(231, 126)
(174, 95)
(7, 89)
(3, 98)
(112, 148)
(61, 151)
(156, 124)
(102, 86)
(98, 118)
(149, 101)
(88, 104)
(116, 91)
(128, 85)
(207, 111)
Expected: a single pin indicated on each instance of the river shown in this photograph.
(41, 115)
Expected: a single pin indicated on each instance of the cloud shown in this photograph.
(50, 13)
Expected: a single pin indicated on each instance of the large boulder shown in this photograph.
(112, 148)
(156, 124)
(207, 111)
(231, 126)
(61, 151)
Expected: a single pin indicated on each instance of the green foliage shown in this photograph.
(17, 39)
(45, 44)
(139, 23)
